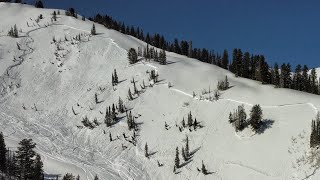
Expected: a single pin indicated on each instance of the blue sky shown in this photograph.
(282, 30)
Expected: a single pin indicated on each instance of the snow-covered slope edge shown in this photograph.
(41, 82)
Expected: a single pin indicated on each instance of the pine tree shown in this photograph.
(93, 30)
(146, 152)
(116, 81)
(240, 118)
(184, 154)
(68, 176)
(177, 159)
(276, 75)
(54, 16)
(96, 177)
(130, 95)
(38, 168)
(187, 150)
(78, 177)
(204, 169)
(183, 123)
(25, 158)
(110, 137)
(163, 57)
(121, 106)
(3, 152)
(15, 31)
(315, 132)
(132, 56)
(190, 120)
(256, 117)
(225, 59)
(39, 4)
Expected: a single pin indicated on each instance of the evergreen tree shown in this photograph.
(93, 30)
(306, 86)
(146, 152)
(177, 159)
(116, 81)
(190, 120)
(25, 159)
(38, 168)
(183, 123)
(121, 106)
(130, 95)
(276, 75)
(96, 177)
(313, 83)
(240, 118)
(163, 57)
(185, 158)
(15, 30)
(78, 177)
(39, 4)
(110, 137)
(315, 132)
(245, 65)
(187, 150)
(3, 152)
(256, 117)
(68, 176)
(204, 169)
(54, 16)
(132, 56)
(12, 167)
(225, 59)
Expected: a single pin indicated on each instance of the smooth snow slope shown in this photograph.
(50, 80)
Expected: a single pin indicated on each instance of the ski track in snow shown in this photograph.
(239, 164)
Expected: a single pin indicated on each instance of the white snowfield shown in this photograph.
(42, 82)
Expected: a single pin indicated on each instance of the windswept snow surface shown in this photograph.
(50, 79)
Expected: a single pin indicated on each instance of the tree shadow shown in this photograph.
(152, 153)
(121, 81)
(208, 173)
(194, 151)
(185, 163)
(170, 62)
(265, 124)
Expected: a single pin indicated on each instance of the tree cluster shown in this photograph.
(153, 76)
(130, 121)
(13, 32)
(132, 56)
(86, 122)
(315, 132)
(71, 12)
(39, 4)
(238, 118)
(110, 117)
(223, 85)
(24, 163)
(151, 53)
(190, 123)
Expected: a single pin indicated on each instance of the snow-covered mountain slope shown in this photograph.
(51, 80)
